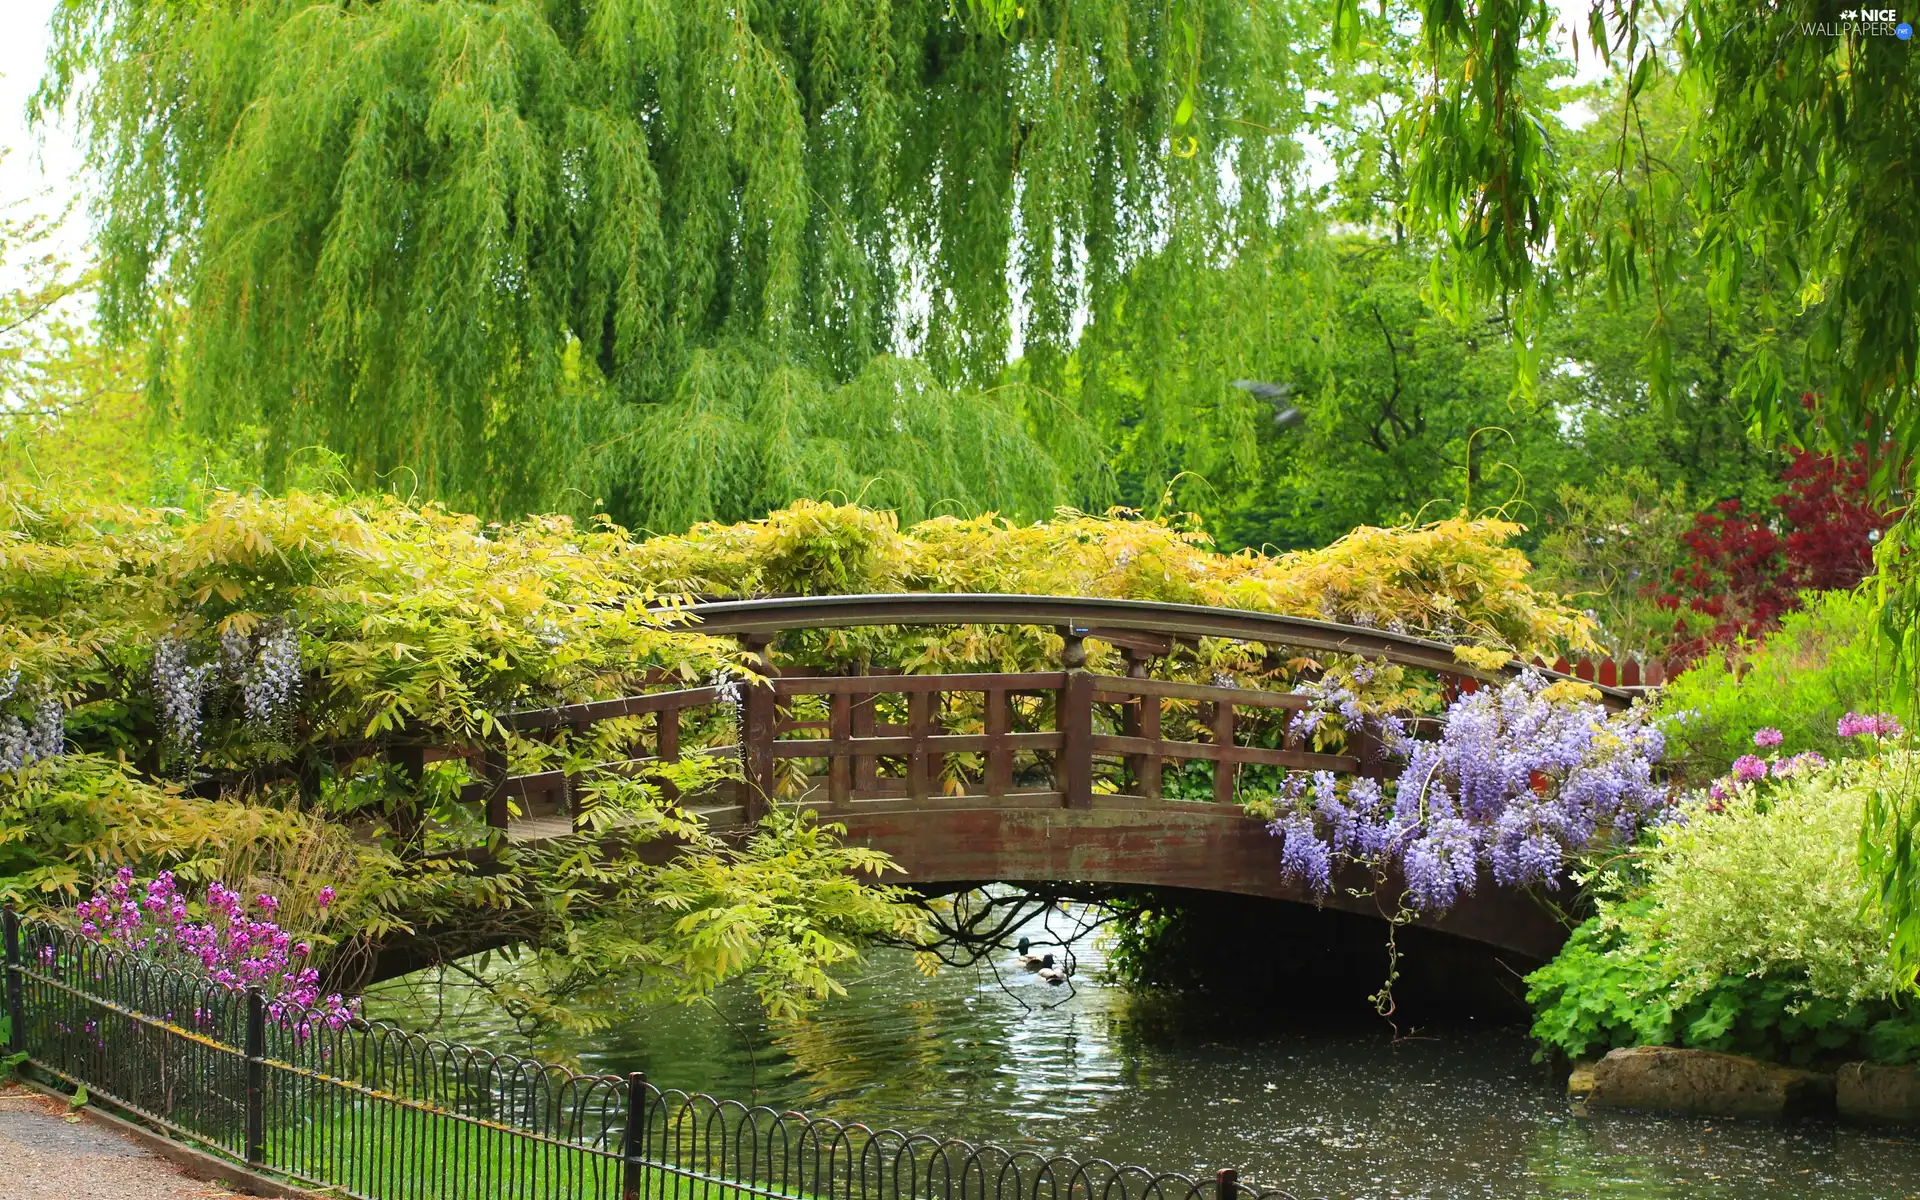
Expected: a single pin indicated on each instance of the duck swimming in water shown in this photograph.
(1030, 962)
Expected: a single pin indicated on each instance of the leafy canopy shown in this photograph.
(469, 238)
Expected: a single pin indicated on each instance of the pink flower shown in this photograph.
(1768, 738)
(325, 897)
(1747, 768)
(1869, 725)
(1799, 764)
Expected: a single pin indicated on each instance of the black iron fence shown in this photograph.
(375, 1112)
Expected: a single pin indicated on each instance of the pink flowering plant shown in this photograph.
(1870, 730)
(232, 941)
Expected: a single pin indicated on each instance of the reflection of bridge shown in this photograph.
(1028, 777)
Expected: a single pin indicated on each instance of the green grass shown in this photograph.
(398, 1150)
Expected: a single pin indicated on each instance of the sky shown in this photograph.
(33, 165)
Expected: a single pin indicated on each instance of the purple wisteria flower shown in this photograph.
(1768, 737)
(1514, 785)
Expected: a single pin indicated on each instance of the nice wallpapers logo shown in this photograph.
(1865, 22)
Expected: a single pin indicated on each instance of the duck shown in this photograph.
(1030, 962)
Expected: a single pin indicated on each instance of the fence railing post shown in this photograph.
(1226, 1184)
(256, 1050)
(16, 986)
(634, 1140)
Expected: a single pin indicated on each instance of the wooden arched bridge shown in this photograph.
(1052, 776)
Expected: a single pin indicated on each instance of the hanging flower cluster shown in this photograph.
(728, 697)
(42, 736)
(264, 667)
(1520, 778)
(179, 688)
(238, 946)
(1332, 696)
(270, 682)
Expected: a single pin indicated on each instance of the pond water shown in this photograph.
(1334, 1110)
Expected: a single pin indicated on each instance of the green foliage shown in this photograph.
(783, 911)
(414, 626)
(68, 821)
(1746, 929)
(1822, 663)
(1612, 546)
(460, 239)
(408, 616)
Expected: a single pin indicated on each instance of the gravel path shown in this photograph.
(46, 1156)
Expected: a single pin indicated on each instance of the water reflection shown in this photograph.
(1328, 1110)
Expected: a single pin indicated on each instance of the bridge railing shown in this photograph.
(837, 739)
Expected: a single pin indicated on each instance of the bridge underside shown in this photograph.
(1165, 844)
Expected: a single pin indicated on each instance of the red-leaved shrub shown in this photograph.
(1744, 569)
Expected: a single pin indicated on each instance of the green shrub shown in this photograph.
(1746, 929)
(1822, 662)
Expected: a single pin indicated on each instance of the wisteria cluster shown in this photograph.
(270, 682)
(179, 688)
(729, 698)
(263, 666)
(238, 946)
(1519, 779)
(1877, 725)
(44, 736)
(1328, 697)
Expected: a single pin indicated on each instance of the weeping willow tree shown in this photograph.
(696, 258)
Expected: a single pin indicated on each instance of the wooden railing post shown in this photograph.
(1133, 723)
(496, 768)
(840, 758)
(756, 732)
(999, 753)
(920, 707)
(1224, 772)
(667, 746)
(866, 767)
(1073, 771)
(575, 799)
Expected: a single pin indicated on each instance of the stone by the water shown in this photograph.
(1878, 1094)
(1706, 1083)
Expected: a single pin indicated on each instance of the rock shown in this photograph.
(1878, 1094)
(1580, 1082)
(1708, 1083)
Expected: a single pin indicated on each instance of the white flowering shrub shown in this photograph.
(1746, 927)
